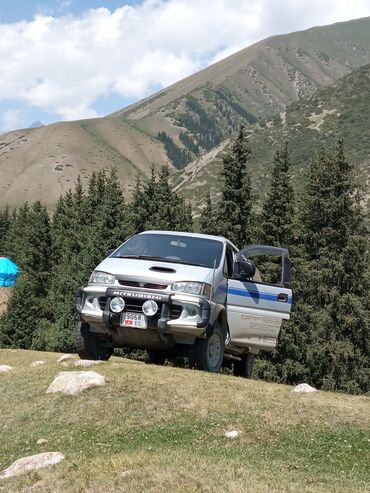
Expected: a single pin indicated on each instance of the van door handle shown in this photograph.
(282, 297)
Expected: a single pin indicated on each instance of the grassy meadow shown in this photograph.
(163, 429)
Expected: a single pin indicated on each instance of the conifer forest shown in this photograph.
(326, 342)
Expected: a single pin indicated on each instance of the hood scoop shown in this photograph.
(160, 268)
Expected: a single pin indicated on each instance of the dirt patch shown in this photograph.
(4, 298)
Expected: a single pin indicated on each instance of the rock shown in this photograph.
(5, 368)
(32, 462)
(41, 441)
(232, 434)
(303, 388)
(128, 472)
(88, 362)
(65, 357)
(38, 363)
(74, 382)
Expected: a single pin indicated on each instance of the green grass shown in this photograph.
(162, 429)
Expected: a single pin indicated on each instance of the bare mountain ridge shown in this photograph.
(196, 114)
(274, 72)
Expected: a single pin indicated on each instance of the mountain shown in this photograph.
(343, 107)
(36, 124)
(182, 122)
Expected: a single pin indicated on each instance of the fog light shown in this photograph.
(117, 304)
(150, 308)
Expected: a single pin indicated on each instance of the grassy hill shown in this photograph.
(162, 429)
(194, 115)
(342, 107)
(43, 163)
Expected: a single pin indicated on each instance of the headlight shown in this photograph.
(192, 287)
(98, 277)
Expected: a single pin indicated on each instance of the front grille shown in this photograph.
(135, 306)
(146, 285)
(132, 305)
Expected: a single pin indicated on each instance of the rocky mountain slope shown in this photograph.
(184, 121)
(340, 108)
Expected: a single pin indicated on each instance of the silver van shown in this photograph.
(183, 293)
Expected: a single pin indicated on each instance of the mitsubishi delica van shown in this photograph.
(183, 293)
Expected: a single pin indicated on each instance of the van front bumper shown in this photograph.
(177, 313)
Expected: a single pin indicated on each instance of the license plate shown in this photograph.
(136, 320)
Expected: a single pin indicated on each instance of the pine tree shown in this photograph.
(4, 226)
(85, 226)
(14, 248)
(275, 225)
(208, 218)
(236, 200)
(156, 206)
(27, 308)
(336, 240)
(327, 341)
(277, 218)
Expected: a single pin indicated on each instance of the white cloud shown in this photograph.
(11, 119)
(63, 64)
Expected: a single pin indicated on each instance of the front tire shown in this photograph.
(208, 354)
(244, 367)
(90, 345)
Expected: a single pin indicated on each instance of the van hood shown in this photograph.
(153, 271)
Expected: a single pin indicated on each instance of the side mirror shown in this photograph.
(109, 252)
(247, 268)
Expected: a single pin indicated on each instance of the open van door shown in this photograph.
(255, 310)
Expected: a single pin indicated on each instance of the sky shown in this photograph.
(73, 59)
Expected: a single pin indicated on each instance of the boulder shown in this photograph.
(87, 362)
(303, 388)
(38, 363)
(32, 463)
(65, 357)
(74, 382)
(5, 368)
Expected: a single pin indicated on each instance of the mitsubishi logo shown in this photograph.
(141, 284)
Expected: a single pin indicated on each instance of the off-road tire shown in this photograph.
(156, 357)
(244, 367)
(89, 345)
(208, 354)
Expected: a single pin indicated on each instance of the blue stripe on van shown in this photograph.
(256, 295)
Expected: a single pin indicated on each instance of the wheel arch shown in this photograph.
(219, 316)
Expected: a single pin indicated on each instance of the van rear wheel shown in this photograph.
(244, 367)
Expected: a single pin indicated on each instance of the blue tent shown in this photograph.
(9, 272)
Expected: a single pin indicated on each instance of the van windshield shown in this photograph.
(203, 252)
